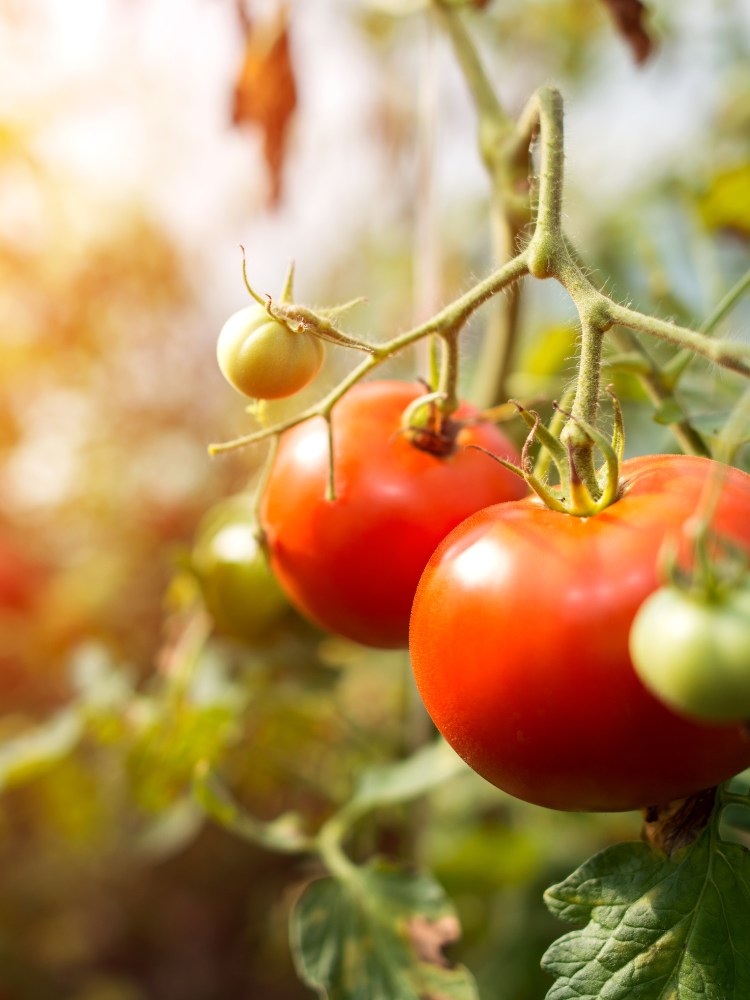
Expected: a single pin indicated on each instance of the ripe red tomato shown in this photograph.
(519, 641)
(352, 565)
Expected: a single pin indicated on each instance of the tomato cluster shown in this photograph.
(518, 617)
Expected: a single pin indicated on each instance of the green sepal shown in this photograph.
(618, 433)
(585, 507)
(545, 495)
(657, 927)
(548, 441)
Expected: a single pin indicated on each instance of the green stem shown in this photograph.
(328, 845)
(682, 359)
(586, 404)
(726, 353)
(496, 356)
(656, 389)
(260, 534)
(733, 432)
(507, 163)
(448, 384)
(727, 303)
(491, 113)
(331, 488)
(546, 252)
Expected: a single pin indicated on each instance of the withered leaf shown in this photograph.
(673, 826)
(628, 16)
(265, 93)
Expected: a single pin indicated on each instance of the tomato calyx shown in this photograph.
(427, 428)
(573, 496)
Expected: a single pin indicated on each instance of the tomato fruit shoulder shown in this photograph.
(352, 565)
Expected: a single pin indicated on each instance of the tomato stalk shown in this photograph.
(507, 163)
(547, 256)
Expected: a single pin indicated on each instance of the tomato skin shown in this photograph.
(694, 654)
(352, 565)
(263, 359)
(239, 589)
(519, 643)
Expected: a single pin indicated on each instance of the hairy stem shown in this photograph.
(507, 163)
(726, 353)
(682, 359)
(449, 375)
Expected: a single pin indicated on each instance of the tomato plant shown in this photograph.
(519, 641)
(265, 359)
(353, 564)
(521, 622)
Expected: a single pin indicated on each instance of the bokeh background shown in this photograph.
(141, 141)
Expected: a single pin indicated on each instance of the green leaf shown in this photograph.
(668, 411)
(391, 783)
(378, 935)
(657, 927)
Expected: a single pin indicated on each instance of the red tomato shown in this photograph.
(519, 641)
(352, 565)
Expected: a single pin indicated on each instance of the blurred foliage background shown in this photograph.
(140, 142)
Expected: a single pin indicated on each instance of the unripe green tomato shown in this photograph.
(265, 360)
(694, 654)
(239, 589)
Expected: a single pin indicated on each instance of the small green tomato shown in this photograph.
(694, 654)
(239, 589)
(265, 360)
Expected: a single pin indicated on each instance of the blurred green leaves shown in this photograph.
(378, 936)
(407, 779)
(726, 203)
(32, 753)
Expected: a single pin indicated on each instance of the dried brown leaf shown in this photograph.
(628, 16)
(429, 937)
(676, 824)
(265, 93)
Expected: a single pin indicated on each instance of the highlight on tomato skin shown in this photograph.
(519, 643)
(352, 565)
